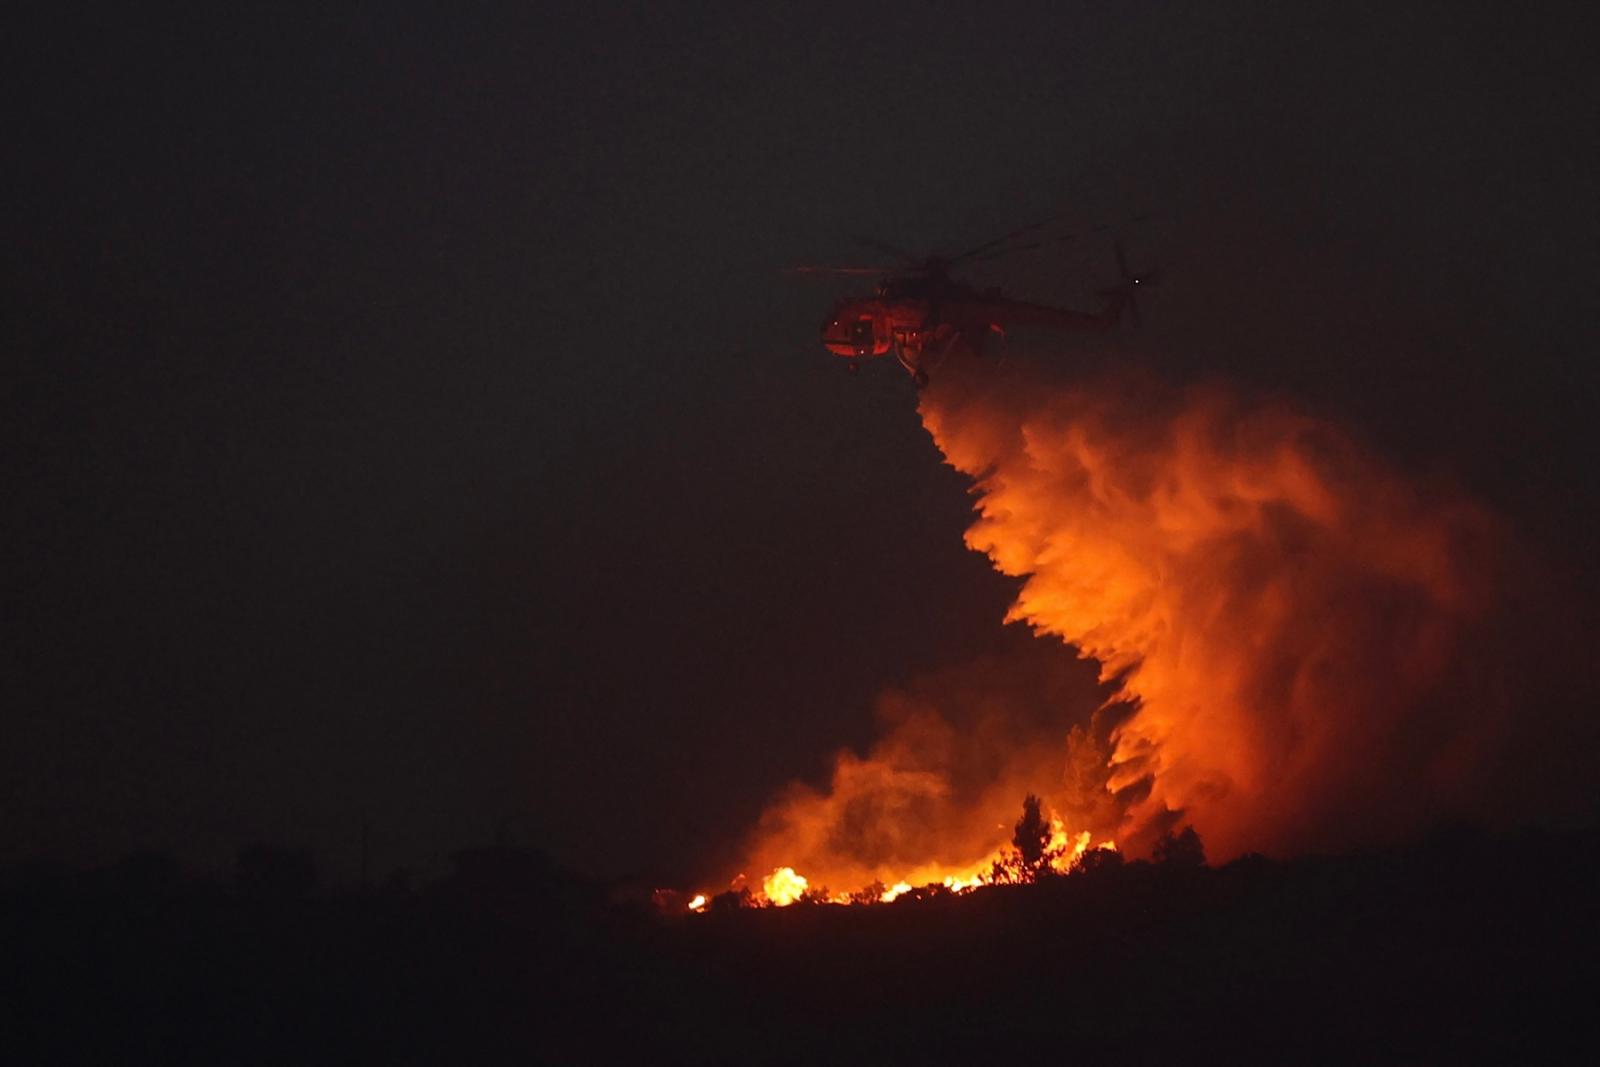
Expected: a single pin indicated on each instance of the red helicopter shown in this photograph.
(919, 313)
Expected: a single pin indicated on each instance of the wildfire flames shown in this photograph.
(785, 886)
(1276, 617)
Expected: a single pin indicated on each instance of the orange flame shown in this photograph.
(785, 886)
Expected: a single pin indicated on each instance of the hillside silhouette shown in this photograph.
(1459, 946)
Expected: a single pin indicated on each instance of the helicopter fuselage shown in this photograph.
(920, 313)
(866, 327)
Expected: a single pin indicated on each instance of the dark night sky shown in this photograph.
(408, 422)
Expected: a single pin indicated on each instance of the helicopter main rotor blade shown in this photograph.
(874, 271)
(1064, 238)
(906, 258)
(1000, 253)
(1013, 235)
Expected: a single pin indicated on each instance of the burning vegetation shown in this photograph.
(1275, 618)
(1040, 847)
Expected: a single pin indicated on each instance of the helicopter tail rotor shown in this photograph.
(1125, 294)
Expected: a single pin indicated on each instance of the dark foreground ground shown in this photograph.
(1458, 948)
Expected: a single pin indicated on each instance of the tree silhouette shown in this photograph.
(1180, 850)
(1031, 855)
(1032, 836)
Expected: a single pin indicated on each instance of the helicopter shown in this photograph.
(919, 313)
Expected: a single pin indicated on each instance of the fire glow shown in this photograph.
(1061, 854)
(1276, 615)
(785, 886)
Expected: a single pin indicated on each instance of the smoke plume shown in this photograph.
(1287, 633)
(1286, 614)
(937, 794)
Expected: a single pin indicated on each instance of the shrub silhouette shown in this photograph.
(730, 901)
(1097, 859)
(870, 895)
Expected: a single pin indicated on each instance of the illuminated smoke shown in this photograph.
(1284, 610)
(1279, 620)
(935, 798)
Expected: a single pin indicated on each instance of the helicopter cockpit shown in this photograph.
(853, 336)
